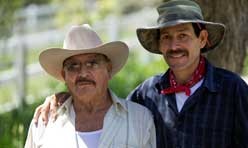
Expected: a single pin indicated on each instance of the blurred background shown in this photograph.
(29, 26)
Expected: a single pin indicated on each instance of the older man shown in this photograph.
(92, 117)
(195, 104)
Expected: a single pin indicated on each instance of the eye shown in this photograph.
(164, 37)
(182, 36)
(92, 64)
(72, 66)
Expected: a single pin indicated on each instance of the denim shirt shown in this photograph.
(214, 116)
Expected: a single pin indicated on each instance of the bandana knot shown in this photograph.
(196, 77)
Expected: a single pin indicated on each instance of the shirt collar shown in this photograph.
(211, 82)
(118, 104)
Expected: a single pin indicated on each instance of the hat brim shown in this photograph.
(52, 59)
(149, 36)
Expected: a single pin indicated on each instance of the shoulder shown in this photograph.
(149, 85)
(150, 82)
(35, 134)
(230, 82)
(137, 110)
(228, 76)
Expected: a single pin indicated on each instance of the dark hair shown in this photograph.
(198, 27)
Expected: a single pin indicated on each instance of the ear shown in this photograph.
(203, 38)
(109, 68)
(63, 74)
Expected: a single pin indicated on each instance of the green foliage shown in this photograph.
(7, 13)
(14, 126)
(245, 69)
(131, 6)
(82, 11)
(136, 71)
(5, 93)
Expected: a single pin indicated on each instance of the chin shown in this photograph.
(178, 67)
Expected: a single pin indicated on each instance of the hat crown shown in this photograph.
(179, 10)
(81, 37)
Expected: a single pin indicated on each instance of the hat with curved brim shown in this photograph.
(83, 40)
(177, 12)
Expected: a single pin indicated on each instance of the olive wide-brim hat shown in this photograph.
(82, 39)
(177, 12)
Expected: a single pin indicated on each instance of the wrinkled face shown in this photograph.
(87, 74)
(181, 47)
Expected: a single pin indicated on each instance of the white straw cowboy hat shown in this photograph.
(81, 40)
(177, 12)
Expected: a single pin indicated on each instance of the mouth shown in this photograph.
(85, 82)
(176, 54)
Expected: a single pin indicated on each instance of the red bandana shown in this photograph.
(197, 76)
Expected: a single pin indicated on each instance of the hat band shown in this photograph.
(164, 18)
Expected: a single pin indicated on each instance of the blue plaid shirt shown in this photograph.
(214, 116)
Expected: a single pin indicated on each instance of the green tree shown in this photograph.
(7, 13)
(83, 11)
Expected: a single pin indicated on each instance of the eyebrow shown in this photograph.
(183, 29)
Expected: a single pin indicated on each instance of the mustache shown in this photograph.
(177, 51)
(81, 79)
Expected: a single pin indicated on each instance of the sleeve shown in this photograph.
(133, 95)
(29, 141)
(35, 134)
(30, 138)
(149, 140)
(241, 121)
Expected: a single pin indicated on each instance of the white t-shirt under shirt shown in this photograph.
(181, 97)
(88, 139)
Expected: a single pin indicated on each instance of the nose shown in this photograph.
(173, 44)
(84, 71)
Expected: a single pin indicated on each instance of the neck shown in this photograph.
(182, 76)
(91, 104)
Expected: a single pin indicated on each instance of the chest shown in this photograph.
(86, 122)
(204, 120)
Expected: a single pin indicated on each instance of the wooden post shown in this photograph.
(20, 72)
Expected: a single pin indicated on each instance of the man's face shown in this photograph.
(87, 74)
(181, 47)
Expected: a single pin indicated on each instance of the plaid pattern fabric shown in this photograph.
(215, 116)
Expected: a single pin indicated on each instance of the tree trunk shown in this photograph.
(232, 52)
(233, 13)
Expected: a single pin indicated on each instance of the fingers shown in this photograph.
(62, 97)
(45, 110)
(49, 106)
(53, 107)
(37, 114)
(57, 100)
